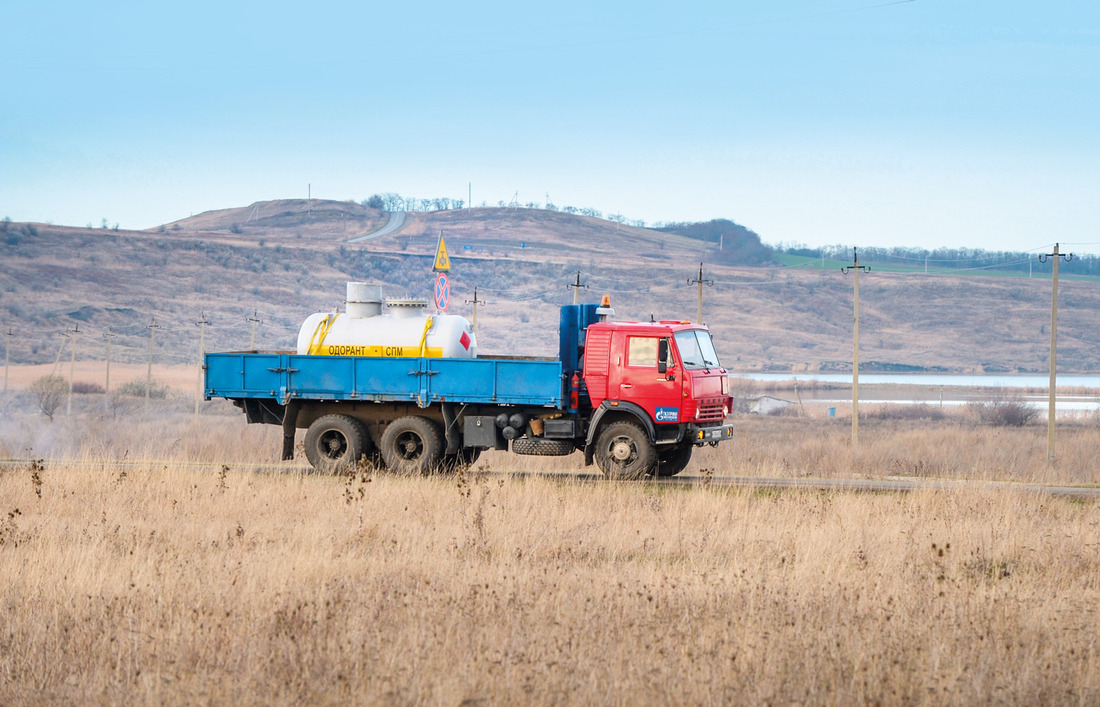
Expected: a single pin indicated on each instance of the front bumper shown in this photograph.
(712, 434)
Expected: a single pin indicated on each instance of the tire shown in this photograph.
(336, 442)
(539, 447)
(625, 451)
(412, 445)
(671, 462)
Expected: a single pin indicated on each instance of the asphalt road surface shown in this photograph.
(397, 220)
(889, 485)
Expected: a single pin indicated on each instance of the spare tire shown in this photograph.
(540, 447)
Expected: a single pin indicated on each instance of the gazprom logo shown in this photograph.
(667, 414)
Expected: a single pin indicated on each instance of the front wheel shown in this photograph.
(412, 445)
(336, 442)
(625, 451)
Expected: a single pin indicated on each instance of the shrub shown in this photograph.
(48, 392)
(83, 388)
(1012, 412)
(921, 411)
(136, 388)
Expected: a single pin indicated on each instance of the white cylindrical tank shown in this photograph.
(406, 331)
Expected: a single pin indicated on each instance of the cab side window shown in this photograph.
(641, 352)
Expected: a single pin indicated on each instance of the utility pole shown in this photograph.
(577, 287)
(149, 371)
(854, 268)
(107, 382)
(475, 301)
(700, 281)
(202, 351)
(7, 358)
(57, 359)
(72, 365)
(1053, 342)
(255, 319)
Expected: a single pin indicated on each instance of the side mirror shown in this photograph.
(662, 356)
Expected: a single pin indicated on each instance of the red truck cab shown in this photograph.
(663, 377)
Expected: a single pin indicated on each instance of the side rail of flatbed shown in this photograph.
(285, 376)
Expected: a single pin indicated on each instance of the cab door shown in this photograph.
(641, 381)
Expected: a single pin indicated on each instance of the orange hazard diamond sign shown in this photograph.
(442, 262)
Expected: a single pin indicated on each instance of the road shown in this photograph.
(891, 485)
(394, 224)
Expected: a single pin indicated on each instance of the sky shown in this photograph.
(922, 123)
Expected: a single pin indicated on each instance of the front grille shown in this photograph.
(710, 412)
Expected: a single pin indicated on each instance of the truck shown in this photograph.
(636, 398)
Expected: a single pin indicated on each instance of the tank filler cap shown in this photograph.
(407, 307)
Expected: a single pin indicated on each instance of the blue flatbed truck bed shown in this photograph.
(284, 377)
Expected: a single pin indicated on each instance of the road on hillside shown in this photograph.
(394, 224)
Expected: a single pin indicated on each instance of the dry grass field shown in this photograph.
(137, 572)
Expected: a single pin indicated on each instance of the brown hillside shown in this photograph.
(282, 260)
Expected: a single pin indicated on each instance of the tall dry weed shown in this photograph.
(165, 584)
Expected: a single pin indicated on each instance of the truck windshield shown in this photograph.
(696, 349)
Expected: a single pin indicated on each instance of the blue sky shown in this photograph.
(925, 123)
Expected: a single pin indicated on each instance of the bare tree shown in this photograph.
(48, 392)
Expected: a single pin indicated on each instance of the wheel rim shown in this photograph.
(622, 450)
(410, 446)
(333, 445)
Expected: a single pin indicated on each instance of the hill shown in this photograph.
(276, 262)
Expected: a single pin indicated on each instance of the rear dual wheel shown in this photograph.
(336, 442)
(412, 445)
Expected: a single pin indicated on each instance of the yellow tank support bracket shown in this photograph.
(423, 348)
(320, 333)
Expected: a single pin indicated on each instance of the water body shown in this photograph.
(933, 379)
(1075, 393)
